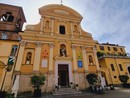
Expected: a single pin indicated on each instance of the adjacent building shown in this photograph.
(11, 22)
(113, 61)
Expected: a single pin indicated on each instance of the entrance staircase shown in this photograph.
(66, 91)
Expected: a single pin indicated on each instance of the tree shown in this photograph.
(37, 81)
(100, 54)
(123, 78)
(91, 78)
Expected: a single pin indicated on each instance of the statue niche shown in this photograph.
(63, 50)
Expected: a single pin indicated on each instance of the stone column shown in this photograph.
(41, 27)
(20, 56)
(37, 57)
(50, 82)
(76, 78)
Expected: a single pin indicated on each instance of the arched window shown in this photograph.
(62, 29)
(63, 50)
(47, 24)
(28, 58)
(8, 17)
(90, 60)
(75, 29)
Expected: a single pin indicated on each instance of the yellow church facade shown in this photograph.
(114, 62)
(57, 47)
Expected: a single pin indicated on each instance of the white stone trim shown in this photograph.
(56, 70)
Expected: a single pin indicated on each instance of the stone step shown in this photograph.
(66, 91)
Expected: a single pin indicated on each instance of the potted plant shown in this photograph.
(37, 81)
(92, 80)
(123, 79)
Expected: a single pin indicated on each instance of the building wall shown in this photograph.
(11, 22)
(112, 76)
(6, 47)
(119, 49)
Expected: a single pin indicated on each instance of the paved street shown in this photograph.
(118, 93)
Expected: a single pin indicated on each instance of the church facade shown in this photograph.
(59, 48)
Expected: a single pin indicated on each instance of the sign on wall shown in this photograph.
(44, 63)
(80, 65)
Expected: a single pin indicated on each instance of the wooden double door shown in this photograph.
(63, 75)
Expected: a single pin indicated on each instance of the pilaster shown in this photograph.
(74, 58)
(37, 57)
(96, 59)
(41, 27)
(52, 26)
(51, 57)
(85, 59)
(20, 56)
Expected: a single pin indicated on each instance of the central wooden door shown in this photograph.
(63, 75)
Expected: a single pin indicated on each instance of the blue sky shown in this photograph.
(106, 20)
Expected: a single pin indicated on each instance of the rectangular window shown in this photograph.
(120, 66)
(112, 67)
(62, 29)
(14, 50)
(114, 48)
(101, 48)
(108, 48)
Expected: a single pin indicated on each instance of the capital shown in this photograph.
(38, 44)
(73, 47)
(83, 47)
(51, 45)
(23, 43)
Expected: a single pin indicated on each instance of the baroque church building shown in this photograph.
(59, 48)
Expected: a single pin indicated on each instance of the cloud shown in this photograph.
(107, 20)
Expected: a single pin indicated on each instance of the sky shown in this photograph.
(106, 20)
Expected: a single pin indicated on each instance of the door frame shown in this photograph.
(69, 64)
